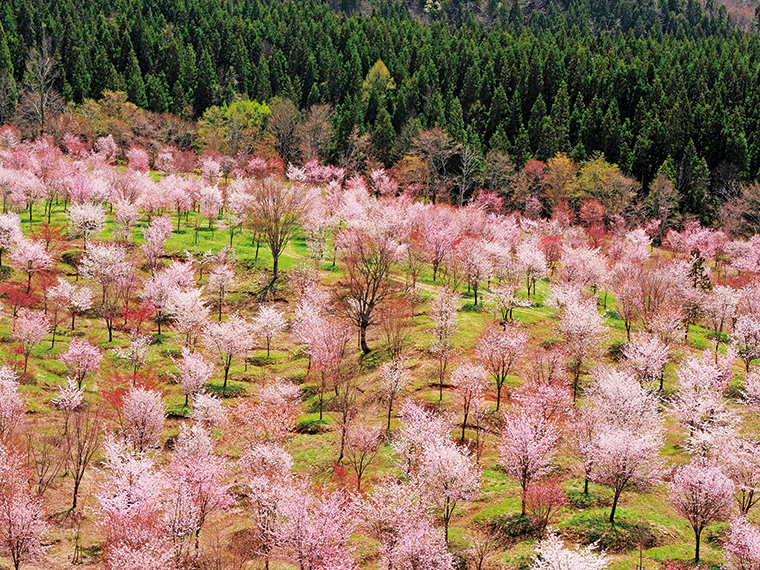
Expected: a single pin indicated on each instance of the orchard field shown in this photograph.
(242, 365)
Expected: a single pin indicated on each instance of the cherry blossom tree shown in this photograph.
(421, 547)
(82, 359)
(527, 445)
(11, 404)
(532, 263)
(701, 493)
(109, 266)
(646, 356)
(194, 466)
(125, 217)
(268, 323)
(23, 524)
(76, 299)
(625, 458)
(582, 327)
(470, 386)
(746, 338)
(267, 469)
(499, 350)
(144, 415)
(446, 474)
(394, 377)
(136, 352)
(441, 232)
(719, 310)
(208, 411)
(31, 257)
(194, 371)
(188, 312)
(742, 545)
(740, 458)
(476, 262)
(86, 220)
(316, 530)
(444, 314)
(10, 232)
(219, 282)
(228, 340)
(551, 554)
(130, 509)
(361, 448)
(272, 416)
(156, 235)
(30, 328)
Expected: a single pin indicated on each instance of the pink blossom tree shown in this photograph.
(444, 314)
(156, 235)
(470, 387)
(719, 309)
(194, 371)
(189, 314)
(582, 328)
(23, 524)
(273, 415)
(740, 458)
(394, 377)
(448, 476)
(625, 458)
(228, 340)
(130, 509)
(646, 356)
(11, 404)
(440, 230)
(30, 328)
(743, 545)
(208, 411)
(746, 338)
(421, 547)
(476, 261)
(82, 359)
(136, 352)
(532, 263)
(86, 220)
(195, 466)
(499, 350)
(361, 448)
(10, 232)
(30, 257)
(268, 323)
(220, 280)
(316, 530)
(701, 493)
(76, 299)
(144, 415)
(528, 444)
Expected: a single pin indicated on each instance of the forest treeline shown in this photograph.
(646, 84)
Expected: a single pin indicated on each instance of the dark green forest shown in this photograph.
(641, 82)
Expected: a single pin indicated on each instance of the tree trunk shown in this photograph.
(363, 339)
(275, 267)
(614, 506)
(697, 536)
